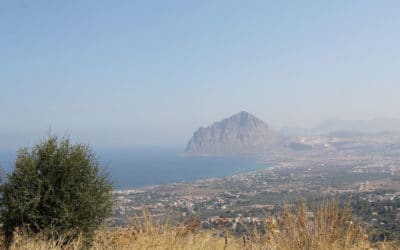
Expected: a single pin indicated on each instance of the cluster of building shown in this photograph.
(249, 198)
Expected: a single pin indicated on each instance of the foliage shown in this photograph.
(57, 189)
(331, 227)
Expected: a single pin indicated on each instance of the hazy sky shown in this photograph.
(120, 73)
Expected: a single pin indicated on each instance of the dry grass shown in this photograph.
(330, 227)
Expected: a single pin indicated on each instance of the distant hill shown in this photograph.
(290, 131)
(363, 126)
(239, 134)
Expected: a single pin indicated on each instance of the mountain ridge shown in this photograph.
(238, 134)
(375, 125)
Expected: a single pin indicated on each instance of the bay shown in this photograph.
(145, 167)
(140, 167)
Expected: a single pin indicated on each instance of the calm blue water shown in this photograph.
(137, 168)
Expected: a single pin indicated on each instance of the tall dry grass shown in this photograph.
(328, 227)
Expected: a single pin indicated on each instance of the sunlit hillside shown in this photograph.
(329, 226)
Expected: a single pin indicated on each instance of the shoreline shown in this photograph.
(155, 186)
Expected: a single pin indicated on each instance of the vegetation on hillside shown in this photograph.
(329, 226)
(57, 190)
(57, 197)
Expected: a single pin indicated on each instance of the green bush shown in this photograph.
(58, 190)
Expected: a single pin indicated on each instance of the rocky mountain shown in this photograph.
(239, 134)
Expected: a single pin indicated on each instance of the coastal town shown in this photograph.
(372, 180)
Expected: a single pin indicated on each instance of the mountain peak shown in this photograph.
(243, 116)
(239, 134)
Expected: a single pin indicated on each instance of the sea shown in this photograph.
(142, 167)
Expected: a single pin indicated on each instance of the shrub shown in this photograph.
(58, 190)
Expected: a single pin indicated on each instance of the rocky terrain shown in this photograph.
(239, 134)
(245, 134)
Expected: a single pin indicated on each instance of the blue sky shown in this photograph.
(134, 73)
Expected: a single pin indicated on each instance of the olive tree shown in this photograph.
(56, 189)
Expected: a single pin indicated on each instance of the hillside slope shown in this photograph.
(239, 134)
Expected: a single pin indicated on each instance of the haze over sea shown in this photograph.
(141, 167)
